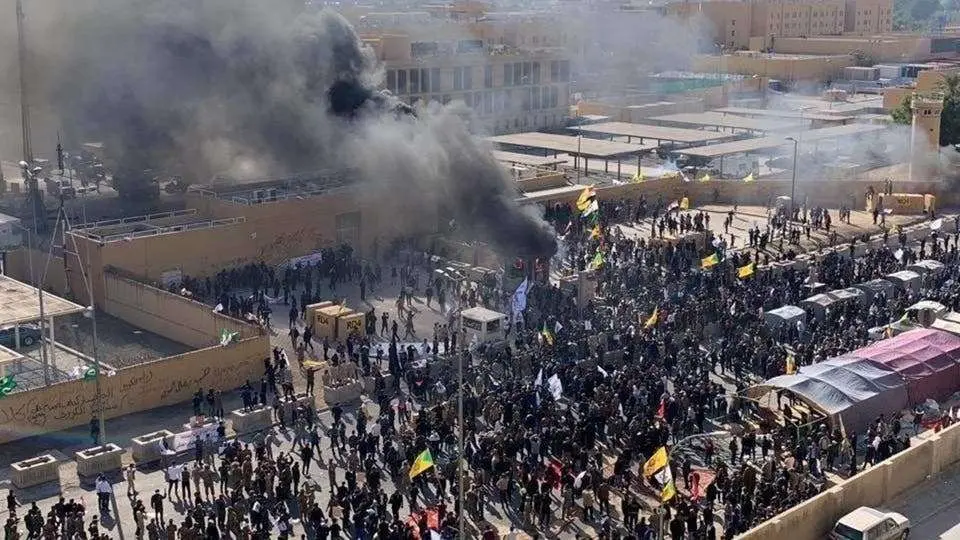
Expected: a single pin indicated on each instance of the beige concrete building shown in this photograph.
(786, 67)
(512, 69)
(735, 22)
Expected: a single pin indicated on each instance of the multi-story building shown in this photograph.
(511, 69)
(733, 23)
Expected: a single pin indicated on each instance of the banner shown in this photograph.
(185, 440)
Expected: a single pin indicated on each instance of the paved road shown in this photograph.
(933, 508)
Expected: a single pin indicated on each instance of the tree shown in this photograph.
(923, 10)
(861, 58)
(903, 114)
(950, 119)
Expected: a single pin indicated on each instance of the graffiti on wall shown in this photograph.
(74, 403)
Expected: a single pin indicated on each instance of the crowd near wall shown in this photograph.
(874, 486)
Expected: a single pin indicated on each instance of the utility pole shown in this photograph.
(24, 105)
(460, 450)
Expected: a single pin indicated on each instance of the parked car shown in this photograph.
(867, 523)
(29, 335)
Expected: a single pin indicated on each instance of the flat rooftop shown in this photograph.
(767, 143)
(517, 158)
(128, 228)
(658, 133)
(772, 113)
(20, 303)
(723, 120)
(572, 145)
(248, 191)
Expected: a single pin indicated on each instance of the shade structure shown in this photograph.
(906, 280)
(927, 358)
(850, 391)
(874, 287)
(785, 315)
(927, 266)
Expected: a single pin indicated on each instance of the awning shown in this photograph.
(850, 390)
(785, 315)
(926, 266)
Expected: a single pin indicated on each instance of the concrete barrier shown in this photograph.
(148, 448)
(35, 471)
(99, 459)
(253, 420)
(813, 519)
(299, 399)
(342, 394)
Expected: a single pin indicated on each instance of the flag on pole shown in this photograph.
(706, 178)
(668, 489)
(548, 337)
(587, 195)
(90, 374)
(519, 300)
(656, 462)
(423, 462)
(745, 271)
(662, 409)
(592, 207)
(710, 262)
(685, 203)
(652, 320)
(556, 389)
(597, 261)
(749, 178)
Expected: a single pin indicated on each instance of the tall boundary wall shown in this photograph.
(875, 486)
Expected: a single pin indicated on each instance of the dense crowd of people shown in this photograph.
(558, 420)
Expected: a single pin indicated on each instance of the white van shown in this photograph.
(867, 523)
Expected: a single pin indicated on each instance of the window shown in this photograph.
(435, 80)
(468, 78)
(518, 74)
(554, 71)
(414, 81)
(402, 82)
(535, 98)
(488, 103)
(348, 229)
(733, 33)
(458, 78)
(525, 99)
(508, 74)
(425, 85)
(392, 80)
(536, 73)
(488, 76)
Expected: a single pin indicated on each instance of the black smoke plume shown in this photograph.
(248, 88)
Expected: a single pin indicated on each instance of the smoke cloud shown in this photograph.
(245, 88)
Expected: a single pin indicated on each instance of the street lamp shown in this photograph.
(793, 181)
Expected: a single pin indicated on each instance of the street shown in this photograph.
(933, 508)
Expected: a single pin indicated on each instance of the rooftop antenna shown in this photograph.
(24, 106)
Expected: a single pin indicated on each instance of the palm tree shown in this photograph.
(950, 119)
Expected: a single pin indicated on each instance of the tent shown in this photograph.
(927, 266)
(874, 287)
(906, 280)
(849, 391)
(784, 316)
(850, 294)
(927, 358)
(948, 322)
(818, 304)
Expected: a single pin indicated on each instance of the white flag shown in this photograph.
(936, 224)
(539, 379)
(898, 254)
(602, 371)
(556, 389)
(519, 301)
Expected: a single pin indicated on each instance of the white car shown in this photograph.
(867, 523)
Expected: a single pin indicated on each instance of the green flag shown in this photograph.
(7, 385)
(227, 337)
(90, 374)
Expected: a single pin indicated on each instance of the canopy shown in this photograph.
(926, 266)
(785, 315)
(927, 358)
(818, 304)
(849, 390)
(949, 322)
(874, 287)
(849, 294)
(907, 280)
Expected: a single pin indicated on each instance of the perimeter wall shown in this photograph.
(875, 486)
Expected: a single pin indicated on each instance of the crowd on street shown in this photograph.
(558, 421)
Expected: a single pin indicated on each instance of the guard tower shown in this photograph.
(924, 132)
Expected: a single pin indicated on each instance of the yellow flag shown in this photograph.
(586, 196)
(706, 178)
(709, 262)
(343, 306)
(791, 364)
(685, 203)
(656, 462)
(638, 177)
(595, 232)
(423, 462)
(745, 271)
(665, 479)
(652, 320)
(749, 178)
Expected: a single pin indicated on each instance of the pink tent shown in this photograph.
(928, 359)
